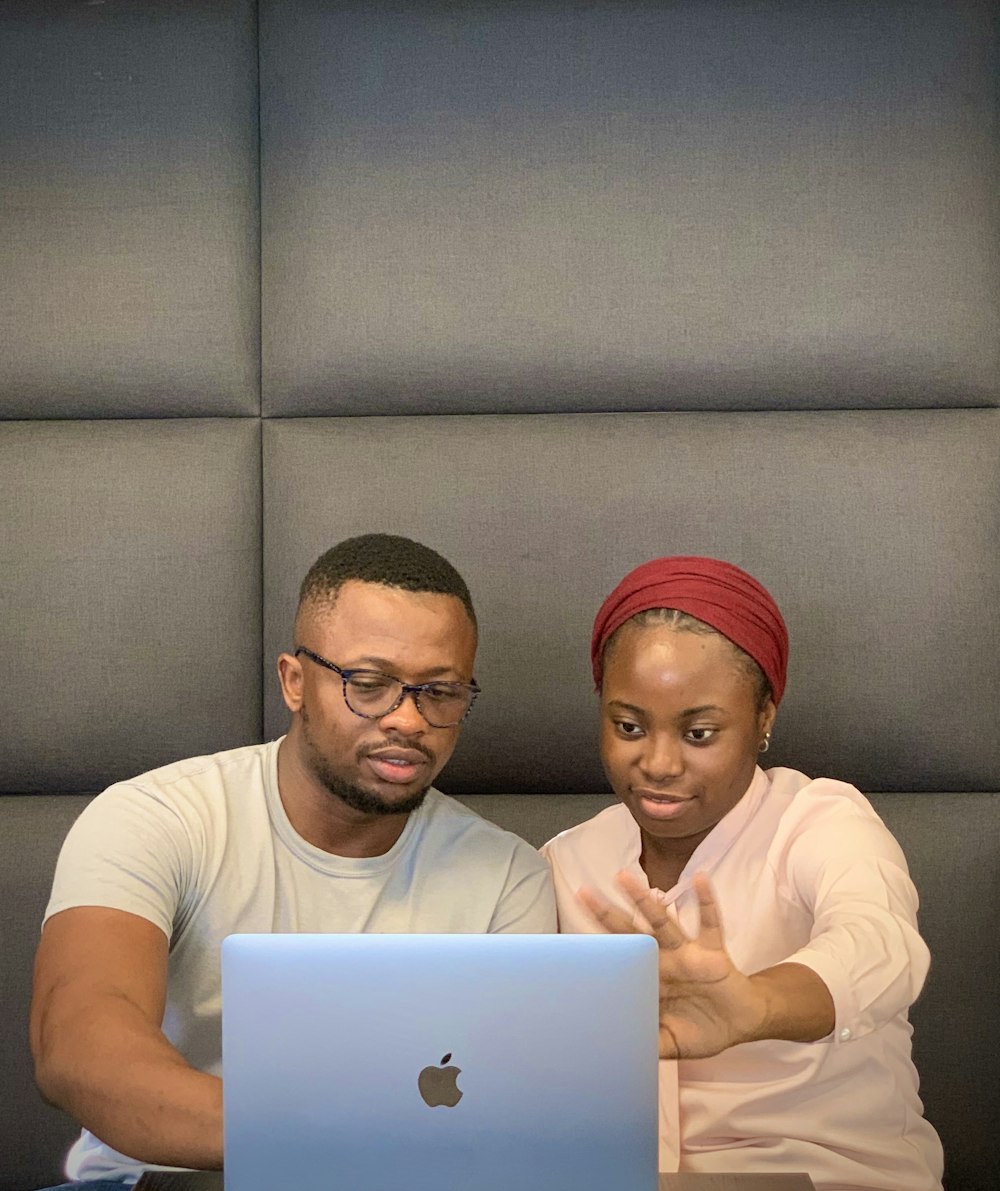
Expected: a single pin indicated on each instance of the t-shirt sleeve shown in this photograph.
(864, 945)
(527, 904)
(128, 851)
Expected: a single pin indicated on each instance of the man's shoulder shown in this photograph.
(447, 814)
(193, 790)
(145, 843)
(449, 821)
(209, 770)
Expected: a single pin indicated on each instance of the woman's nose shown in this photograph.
(663, 758)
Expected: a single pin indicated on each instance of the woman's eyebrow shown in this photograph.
(621, 705)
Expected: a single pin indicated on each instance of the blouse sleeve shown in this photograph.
(590, 854)
(847, 869)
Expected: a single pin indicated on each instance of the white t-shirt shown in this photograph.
(802, 871)
(203, 849)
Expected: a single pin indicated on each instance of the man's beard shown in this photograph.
(356, 797)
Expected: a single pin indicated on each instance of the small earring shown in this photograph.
(765, 744)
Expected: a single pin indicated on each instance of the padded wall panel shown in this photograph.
(129, 232)
(877, 533)
(129, 597)
(541, 206)
(952, 844)
(33, 830)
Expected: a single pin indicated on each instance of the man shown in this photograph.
(332, 828)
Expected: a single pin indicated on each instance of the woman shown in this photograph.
(784, 912)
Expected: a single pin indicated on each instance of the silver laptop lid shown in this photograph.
(440, 1062)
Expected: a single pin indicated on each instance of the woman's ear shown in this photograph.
(767, 717)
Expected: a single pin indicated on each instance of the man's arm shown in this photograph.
(527, 905)
(100, 1054)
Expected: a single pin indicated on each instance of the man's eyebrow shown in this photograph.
(384, 666)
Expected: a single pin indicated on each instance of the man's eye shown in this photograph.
(443, 692)
(370, 684)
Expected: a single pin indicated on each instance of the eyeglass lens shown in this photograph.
(442, 704)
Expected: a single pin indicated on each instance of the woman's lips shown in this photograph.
(661, 806)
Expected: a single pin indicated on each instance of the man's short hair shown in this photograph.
(383, 558)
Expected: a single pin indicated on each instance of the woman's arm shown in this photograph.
(706, 1003)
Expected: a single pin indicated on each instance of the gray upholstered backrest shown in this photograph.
(545, 206)
(554, 288)
(876, 532)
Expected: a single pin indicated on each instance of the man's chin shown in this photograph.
(369, 802)
(359, 798)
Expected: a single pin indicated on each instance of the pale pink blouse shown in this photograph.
(803, 871)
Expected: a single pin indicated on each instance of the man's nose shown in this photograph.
(406, 718)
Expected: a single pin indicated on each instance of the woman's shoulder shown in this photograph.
(797, 793)
(607, 833)
(832, 813)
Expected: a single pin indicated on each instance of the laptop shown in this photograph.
(440, 1062)
(211, 1180)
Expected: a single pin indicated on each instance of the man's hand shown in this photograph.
(706, 1003)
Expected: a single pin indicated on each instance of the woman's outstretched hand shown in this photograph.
(706, 1003)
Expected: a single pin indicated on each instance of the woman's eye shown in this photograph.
(627, 729)
(700, 735)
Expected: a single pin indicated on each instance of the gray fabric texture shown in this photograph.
(129, 253)
(492, 211)
(876, 533)
(33, 1137)
(129, 597)
(952, 844)
(542, 207)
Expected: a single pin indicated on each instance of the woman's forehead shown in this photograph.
(659, 660)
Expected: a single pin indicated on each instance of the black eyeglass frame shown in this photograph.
(416, 689)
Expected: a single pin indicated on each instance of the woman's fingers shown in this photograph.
(668, 934)
(710, 932)
(651, 916)
(612, 918)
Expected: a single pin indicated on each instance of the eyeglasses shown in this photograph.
(371, 694)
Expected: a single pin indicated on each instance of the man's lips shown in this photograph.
(397, 765)
(658, 804)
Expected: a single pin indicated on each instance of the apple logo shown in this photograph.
(438, 1085)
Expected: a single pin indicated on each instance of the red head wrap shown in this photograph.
(717, 593)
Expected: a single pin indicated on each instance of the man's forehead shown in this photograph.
(379, 608)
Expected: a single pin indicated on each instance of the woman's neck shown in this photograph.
(663, 860)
